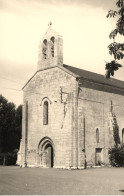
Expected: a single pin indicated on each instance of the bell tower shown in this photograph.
(50, 49)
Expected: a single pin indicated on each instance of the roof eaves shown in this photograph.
(98, 82)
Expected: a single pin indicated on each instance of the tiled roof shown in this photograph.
(83, 74)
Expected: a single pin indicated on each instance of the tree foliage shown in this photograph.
(116, 131)
(116, 153)
(10, 128)
(116, 156)
(116, 49)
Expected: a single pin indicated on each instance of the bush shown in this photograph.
(116, 156)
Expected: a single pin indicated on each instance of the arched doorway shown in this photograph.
(49, 155)
(46, 152)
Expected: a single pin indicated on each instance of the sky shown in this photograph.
(82, 24)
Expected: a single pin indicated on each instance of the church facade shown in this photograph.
(68, 113)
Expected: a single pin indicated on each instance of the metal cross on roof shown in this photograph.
(50, 23)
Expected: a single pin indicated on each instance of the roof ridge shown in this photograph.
(65, 66)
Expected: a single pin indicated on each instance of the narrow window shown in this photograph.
(52, 46)
(44, 49)
(123, 136)
(97, 135)
(45, 113)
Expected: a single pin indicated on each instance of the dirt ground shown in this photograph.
(38, 181)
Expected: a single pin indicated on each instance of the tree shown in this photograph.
(116, 131)
(18, 125)
(10, 128)
(116, 49)
(116, 156)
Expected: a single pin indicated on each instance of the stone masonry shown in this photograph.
(64, 108)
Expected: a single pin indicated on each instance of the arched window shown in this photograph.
(97, 135)
(123, 136)
(45, 113)
(44, 49)
(52, 46)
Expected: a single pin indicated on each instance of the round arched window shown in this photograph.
(97, 135)
(45, 113)
(44, 49)
(52, 46)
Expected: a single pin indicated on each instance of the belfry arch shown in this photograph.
(46, 152)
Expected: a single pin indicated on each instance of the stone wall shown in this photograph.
(95, 107)
(45, 85)
(75, 113)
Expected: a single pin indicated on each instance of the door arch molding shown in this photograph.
(46, 152)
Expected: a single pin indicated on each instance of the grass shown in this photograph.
(37, 181)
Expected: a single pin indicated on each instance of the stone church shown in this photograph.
(68, 113)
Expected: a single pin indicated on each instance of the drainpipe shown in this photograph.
(75, 126)
(84, 134)
(85, 165)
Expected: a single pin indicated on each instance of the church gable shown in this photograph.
(48, 82)
(44, 70)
